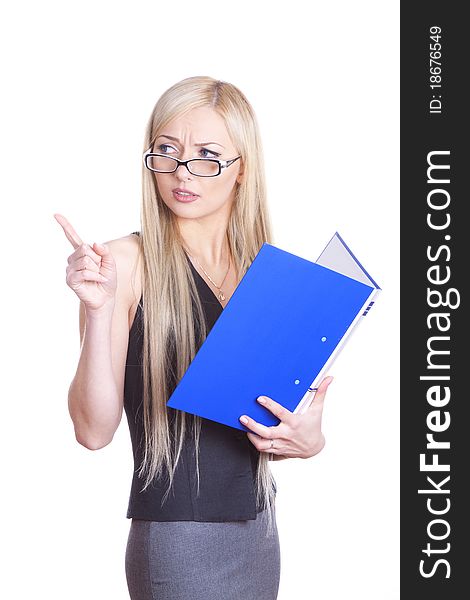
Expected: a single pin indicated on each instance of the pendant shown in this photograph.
(221, 297)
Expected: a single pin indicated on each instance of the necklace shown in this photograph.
(221, 295)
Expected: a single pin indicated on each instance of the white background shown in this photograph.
(79, 82)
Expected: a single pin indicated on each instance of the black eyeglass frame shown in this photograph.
(222, 164)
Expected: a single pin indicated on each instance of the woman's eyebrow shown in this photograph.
(170, 137)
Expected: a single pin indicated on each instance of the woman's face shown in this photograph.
(201, 133)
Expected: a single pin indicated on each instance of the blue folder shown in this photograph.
(283, 326)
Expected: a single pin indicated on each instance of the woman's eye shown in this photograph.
(212, 154)
(163, 147)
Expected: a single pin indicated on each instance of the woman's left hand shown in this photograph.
(296, 436)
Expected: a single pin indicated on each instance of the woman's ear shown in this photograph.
(240, 175)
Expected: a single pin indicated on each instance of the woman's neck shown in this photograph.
(208, 243)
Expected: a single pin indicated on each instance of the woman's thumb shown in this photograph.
(101, 248)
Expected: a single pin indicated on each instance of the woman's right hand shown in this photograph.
(91, 270)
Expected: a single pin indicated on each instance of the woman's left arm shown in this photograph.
(278, 457)
(296, 436)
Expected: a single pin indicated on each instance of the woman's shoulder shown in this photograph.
(126, 249)
(127, 255)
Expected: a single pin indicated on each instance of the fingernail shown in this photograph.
(262, 400)
(244, 420)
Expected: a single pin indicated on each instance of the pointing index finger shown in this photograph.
(69, 231)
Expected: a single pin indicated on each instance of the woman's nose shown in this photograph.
(182, 173)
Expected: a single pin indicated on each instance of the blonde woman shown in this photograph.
(202, 499)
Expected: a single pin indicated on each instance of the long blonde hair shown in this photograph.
(173, 315)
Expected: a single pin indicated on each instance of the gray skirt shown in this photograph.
(189, 560)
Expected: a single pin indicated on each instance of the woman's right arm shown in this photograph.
(95, 397)
(101, 277)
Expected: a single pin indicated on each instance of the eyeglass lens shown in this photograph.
(165, 164)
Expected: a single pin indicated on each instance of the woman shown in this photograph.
(202, 500)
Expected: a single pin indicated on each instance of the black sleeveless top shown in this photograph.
(227, 458)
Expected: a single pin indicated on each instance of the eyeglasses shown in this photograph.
(201, 167)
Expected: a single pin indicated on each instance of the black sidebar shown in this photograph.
(435, 316)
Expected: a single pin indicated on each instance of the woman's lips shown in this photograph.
(184, 197)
